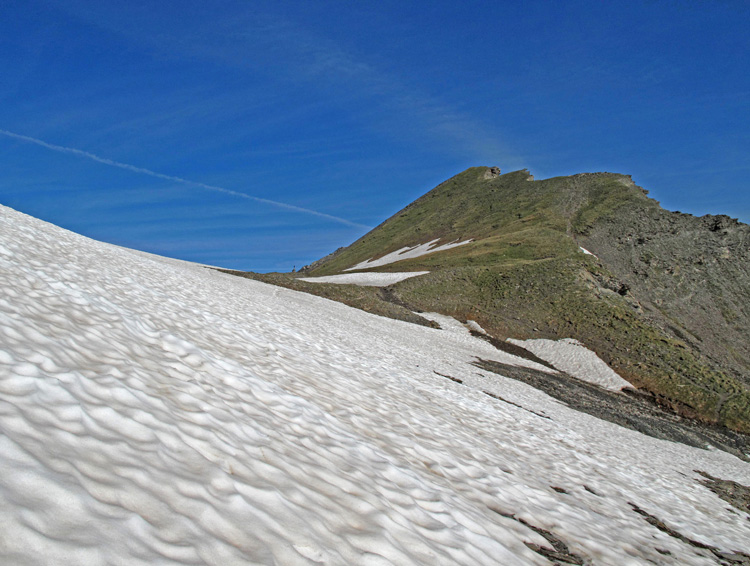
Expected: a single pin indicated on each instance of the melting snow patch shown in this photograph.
(474, 325)
(572, 357)
(407, 253)
(447, 323)
(366, 279)
(584, 250)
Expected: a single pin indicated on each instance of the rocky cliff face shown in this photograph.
(691, 276)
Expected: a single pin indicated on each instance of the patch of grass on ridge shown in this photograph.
(507, 217)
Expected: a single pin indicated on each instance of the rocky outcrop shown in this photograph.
(492, 172)
(691, 276)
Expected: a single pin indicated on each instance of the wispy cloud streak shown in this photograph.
(143, 171)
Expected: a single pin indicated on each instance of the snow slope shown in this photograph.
(154, 412)
(366, 279)
(574, 358)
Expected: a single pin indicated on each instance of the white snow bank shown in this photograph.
(462, 332)
(474, 325)
(572, 357)
(584, 250)
(407, 253)
(366, 279)
(162, 413)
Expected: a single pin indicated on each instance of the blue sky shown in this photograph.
(144, 123)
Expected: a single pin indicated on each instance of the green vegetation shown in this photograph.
(509, 217)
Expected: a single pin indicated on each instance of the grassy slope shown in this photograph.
(525, 277)
(466, 206)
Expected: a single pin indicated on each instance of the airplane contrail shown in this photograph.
(142, 170)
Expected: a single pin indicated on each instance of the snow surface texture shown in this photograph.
(159, 413)
(366, 279)
(572, 357)
(407, 253)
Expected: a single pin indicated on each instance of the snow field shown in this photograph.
(157, 413)
(572, 357)
(366, 279)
